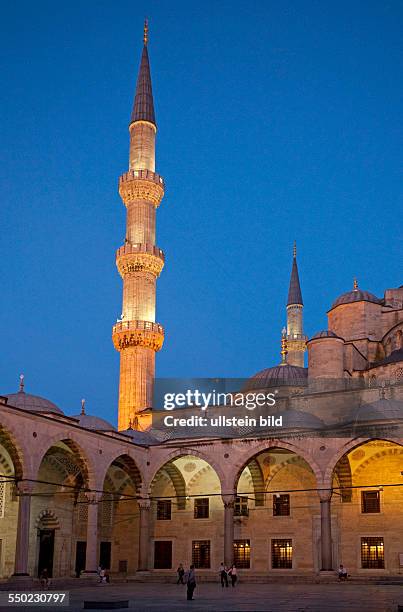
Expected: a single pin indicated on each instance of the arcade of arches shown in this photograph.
(273, 509)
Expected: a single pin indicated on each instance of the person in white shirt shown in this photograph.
(233, 573)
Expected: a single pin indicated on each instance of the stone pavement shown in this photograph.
(210, 597)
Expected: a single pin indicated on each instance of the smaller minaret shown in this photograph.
(296, 340)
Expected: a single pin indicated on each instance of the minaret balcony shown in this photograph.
(137, 185)
(126, 334)
(132, 258)
(296, 342)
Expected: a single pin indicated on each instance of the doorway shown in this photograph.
(162, 554)
(81, 553)
(46, 550)
(105, 555)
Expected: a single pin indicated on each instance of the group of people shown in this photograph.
(225, 572)
(189, 577)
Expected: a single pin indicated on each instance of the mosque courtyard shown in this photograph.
(273, 597)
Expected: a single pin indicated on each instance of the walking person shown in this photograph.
(190, 579)
(181, 572)
(233, 573)
(223, 575)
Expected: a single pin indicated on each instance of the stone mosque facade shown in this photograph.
(327, 488)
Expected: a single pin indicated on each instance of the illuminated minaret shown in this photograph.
(136, 335)
(296, 341)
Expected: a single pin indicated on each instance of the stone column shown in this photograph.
(91, 555)
(144, 529)
(326, 530)
(228, 529)
(22, 545)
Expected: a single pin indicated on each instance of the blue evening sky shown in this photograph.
(277, 121)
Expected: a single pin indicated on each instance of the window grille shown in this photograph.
(164, 508)
(201, 554)
(242, 553)
(370, 502)
(281, 505)
(281, 554)
(201, 508)
(372, 553)
(241, 506)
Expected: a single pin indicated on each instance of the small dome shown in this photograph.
(356, 295)
(94, 422)
(325, 333)
(298, 418)
(281, 375)
(143, 438)
(34, 403)
(380, 410)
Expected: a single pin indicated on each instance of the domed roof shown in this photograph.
(143, 438)
(380, 410)
(356, 295)
(325, 333)
(34, 403)
(299, 418)
(281, 375)
(94, 422)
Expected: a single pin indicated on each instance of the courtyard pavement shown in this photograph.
(337, 597)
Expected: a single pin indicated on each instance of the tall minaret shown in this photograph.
(296, 341)
(136, 335)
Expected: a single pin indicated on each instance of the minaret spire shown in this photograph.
(136, 334)
(143, 106)
(294, 290)
(145, 32)
(296, 341)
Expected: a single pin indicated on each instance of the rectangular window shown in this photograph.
(163, 555)
(370, 502)
(281, 554)
(281, 505)
(242, 553)
(372, 553)
(241, 506)
(164, 507)
(201, 508)
(201, 554)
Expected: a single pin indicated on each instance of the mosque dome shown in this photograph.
(380, 410)
(33, 403)
(300, 419)
(143, 438)
(281, 375)
(355, 295)
(92, 422)
(325, 333)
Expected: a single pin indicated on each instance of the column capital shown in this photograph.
(93, 497)
(144, 503)
(228, 499)
(325, 495)
(24, 487)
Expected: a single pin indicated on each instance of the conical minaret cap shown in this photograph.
(143, 107)
(294, 291)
